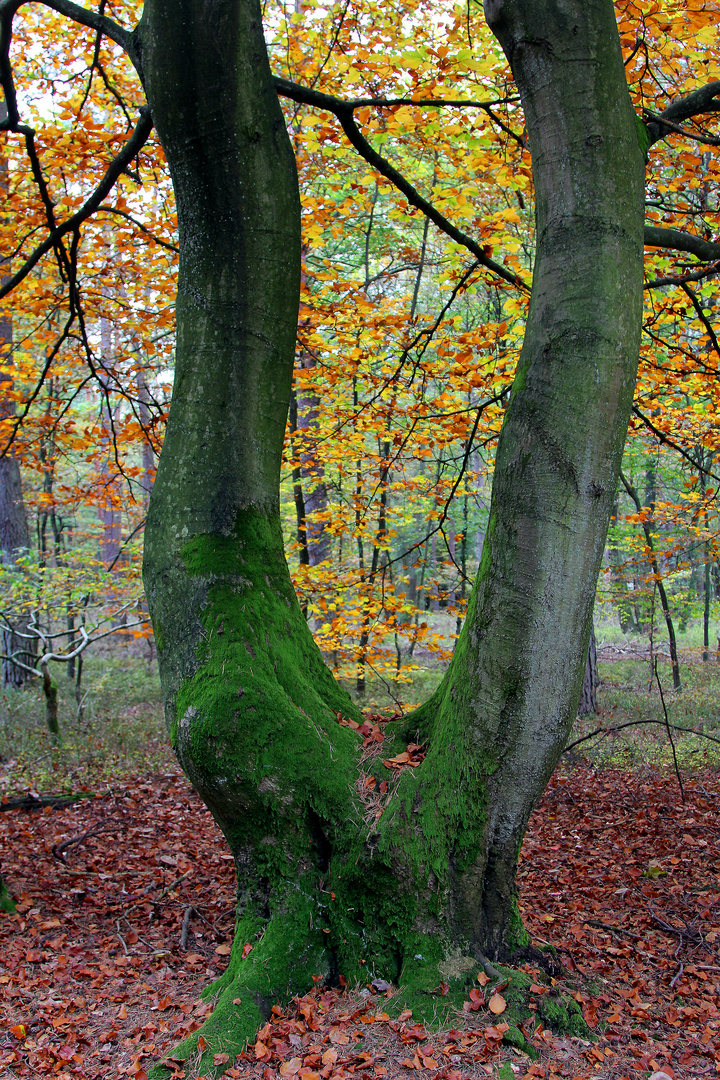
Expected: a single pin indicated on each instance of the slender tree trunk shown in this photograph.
(591, 680)
(50, 690)
(313, 473)
(662, 593)
(298, 496)
(618, 578)
(14, 532)
(252, 709)
(706, 604)
(109, 513)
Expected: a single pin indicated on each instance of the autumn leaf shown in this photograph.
(497, 1004)
(476, 1001)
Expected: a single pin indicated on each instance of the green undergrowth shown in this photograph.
(629, 694)
(7, 904)
(118, 733)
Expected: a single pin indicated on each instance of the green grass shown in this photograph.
(629, 693)
(121, 731)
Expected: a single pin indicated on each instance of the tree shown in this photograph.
(14, 536)
(251, 707)
(257, 721)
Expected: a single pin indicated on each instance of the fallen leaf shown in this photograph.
(497, 1004)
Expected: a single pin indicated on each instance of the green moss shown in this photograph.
(514, 1037)
(255, 726)
(7, 904)
(429, 962)
(643, 138)
(286, 953)
(563, 1014)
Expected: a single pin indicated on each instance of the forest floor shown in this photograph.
(617, 872)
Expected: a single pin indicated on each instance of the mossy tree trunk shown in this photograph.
(251, 707)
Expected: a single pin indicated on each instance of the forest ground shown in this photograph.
(617, 872)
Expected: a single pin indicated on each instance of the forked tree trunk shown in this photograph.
(250, 705)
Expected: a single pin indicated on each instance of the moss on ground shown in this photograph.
(421, 990)
(7, 904)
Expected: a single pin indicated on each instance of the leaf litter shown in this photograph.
(115, 937)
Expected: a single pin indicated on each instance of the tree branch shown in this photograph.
(698, 275)
(139, 225)
(343, 110)
(701, 316)
(710, 140)
(677, 240)
(117, 166)
(634, 723)
(704, 100)
(662, 437)
(85, 17)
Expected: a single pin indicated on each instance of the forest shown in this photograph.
(360, 541)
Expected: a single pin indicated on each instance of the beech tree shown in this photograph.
(257, 721)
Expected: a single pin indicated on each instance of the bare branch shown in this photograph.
(85, 17)
(701, 315)
(635, 723)
(698, 275)
(117, 166)
(343, 110)
(704, 100)
(710, 140)
(139, 225)
(677, 240)
(663, 438)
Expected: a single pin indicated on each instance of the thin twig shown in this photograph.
(667, 727)
(633, 723)
(185, 932)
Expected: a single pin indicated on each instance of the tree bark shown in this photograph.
(250, 704)
(251, 707)
(588, 694)
(14, 533)
(502, 715)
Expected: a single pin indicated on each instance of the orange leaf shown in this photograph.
(497, 1004)
(291, 1067)
(246, 950)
